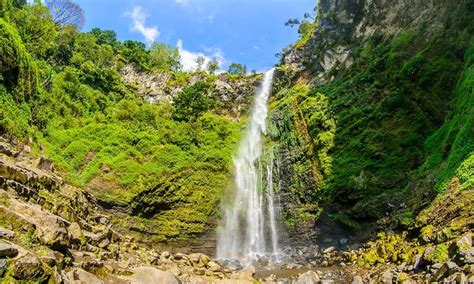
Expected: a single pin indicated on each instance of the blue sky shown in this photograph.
(250, 32)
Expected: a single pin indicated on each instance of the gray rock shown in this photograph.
(466, 256)
(309, 277)
(80, 276)
(75, 233)
(7, 251)
(357, 280)
(146, 275)
(27, 267)
(214, 266)
(418, 262)
(3, 267)
(387, 277)
(329, 250)
(446, 269)
(464, 243)
(6, 234)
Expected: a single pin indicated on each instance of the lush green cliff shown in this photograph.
(373, 114)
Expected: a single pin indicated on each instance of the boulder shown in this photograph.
(8, 251)
(146, 275)
(76, 234)
(466, 256)
(165, 255)
(80, 276)
(3, 267)
(446, 269)
(214, 266)
(387, 277)
(309, 277)
(6, 234)
(357, 280)
(27, 267)
(329, 250)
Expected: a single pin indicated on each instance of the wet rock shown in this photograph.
(6, 234)
(27, 267)
(80, 276)
(7, 251)
(357, 280)
(309, 277)
(146, 275)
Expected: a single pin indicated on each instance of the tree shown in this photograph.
(66, 12)
(213, 66)
(164, 57)
(35, 28)
(104, 36)
(292, 22)
(200, 62)
(193, 101)
(237, 69)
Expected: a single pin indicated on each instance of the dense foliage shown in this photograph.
(394, 128)
(62, 89)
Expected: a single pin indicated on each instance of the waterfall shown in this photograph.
(246, 222)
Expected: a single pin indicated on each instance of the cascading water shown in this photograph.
(246, 223)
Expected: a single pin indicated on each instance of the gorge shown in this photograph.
(350, 161)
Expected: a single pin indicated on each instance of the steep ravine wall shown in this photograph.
(357, 113)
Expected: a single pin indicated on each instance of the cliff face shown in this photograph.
(364, 112)
(344, 24)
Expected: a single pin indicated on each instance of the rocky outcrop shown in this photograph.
(233, 93)
(344, 24)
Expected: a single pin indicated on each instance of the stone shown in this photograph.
(178, 256)
(146, 275)
(45, 164)
(103, 243)
(309, 277)
(8, 251)
(446, 269)
(418, 261)
(357, 280)
(214, 266)
(3, 267)
(327, 281)
(165, 254)
(6, 234)
(466, 256)
(464, 243)
(387, 277)
(27, 267)
(329, 250)
(75, 233)
(80, 276)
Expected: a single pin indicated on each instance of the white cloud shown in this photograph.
(188, 58)
(181, 2)
(139, 24)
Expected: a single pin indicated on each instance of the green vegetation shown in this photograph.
(166, 163)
